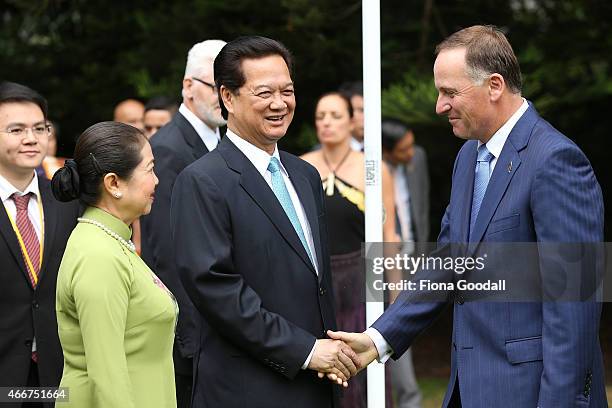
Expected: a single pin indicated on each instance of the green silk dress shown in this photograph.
(116, 322)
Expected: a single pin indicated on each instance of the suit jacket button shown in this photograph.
(322, 291)
(35, 304)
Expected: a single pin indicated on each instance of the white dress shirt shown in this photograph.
(356, 145)
(261, 160)
(495, 146)
(209, 137)
(34, 213)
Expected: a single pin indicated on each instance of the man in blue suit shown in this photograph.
(516, 179)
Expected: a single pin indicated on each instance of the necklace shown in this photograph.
(331, 178)
(128, 244)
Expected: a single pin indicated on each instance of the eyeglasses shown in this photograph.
(21, 131)
(212, 86)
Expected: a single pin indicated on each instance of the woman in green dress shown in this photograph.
(116, 319)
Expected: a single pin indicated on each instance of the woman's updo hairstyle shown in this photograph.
(106, 147)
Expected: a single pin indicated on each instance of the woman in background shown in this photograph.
(343, 177)
(116, 320)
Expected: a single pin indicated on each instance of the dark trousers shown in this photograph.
(184, 386)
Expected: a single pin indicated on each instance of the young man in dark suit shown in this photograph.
(248, 226)
(34, 228)
(192, 132)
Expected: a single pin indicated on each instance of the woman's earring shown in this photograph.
(117, 195)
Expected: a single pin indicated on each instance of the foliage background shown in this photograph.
(85, 56)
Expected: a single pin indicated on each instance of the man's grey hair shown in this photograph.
(201, 57)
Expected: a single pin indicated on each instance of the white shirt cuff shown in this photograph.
(383, 348)
(305, 365)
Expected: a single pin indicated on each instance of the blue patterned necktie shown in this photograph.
(282, 194)
(481, 180)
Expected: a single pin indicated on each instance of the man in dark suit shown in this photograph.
(251, 248)
(192, 132)
(516, 180)
(34, 228)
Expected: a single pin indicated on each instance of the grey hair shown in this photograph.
(201, 56)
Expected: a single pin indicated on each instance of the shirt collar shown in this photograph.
(209, 137)
(109, 221)
(260, 158)
(356, 145)
(7, 189)
(497, 141)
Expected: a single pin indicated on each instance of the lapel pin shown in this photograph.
(510, 167)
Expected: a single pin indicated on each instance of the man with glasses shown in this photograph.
(192, 132)
(34, 228)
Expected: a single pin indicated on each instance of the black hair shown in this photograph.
(350, 89)
(14, 92)
(228, 64)
(342, 96)
(393, 130)
(106, 147)
(161, 103)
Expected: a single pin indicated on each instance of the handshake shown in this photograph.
(342, 356)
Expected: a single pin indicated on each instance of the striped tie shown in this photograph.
(481, 180)
(28, 235)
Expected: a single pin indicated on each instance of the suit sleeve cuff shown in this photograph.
(383, 348)
(305, 365)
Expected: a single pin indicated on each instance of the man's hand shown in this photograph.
(361, 344)
(334, 359)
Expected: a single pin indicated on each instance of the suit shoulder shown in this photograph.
(168, 137)
(211, 164)
(301, 164)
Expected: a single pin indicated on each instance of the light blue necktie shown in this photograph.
(282, 194)
(481, 180)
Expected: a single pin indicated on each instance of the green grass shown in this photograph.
(433, 390)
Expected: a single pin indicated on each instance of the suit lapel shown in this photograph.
(505, 168)
(7, 232)
(507, 164)
(191, 136)
(261, 193)
(304, 192)
(50, 215)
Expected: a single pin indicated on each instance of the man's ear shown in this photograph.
(228, 98)
(497, 86)
(187, 84)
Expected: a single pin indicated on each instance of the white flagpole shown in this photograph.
(373, 185)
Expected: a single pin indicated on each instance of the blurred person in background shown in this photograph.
(192, 132)
(130, 112)
(408, 164)
(157, 112)
(34, 228)
(354, 92)
(343, 176)
(51, 163)
(116, 318)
